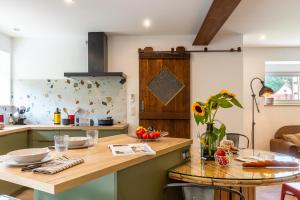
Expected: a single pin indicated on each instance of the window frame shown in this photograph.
(284, 102)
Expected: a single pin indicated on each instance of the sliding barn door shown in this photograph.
(164, 87)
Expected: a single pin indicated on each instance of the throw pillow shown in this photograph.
(294, 138)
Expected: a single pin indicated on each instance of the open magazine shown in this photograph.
(131, 149)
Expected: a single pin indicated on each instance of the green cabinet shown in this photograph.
(9, 143)
(102, 133)
(39, 138)
(44, 138)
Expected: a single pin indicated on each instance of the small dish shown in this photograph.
(86, 145)
(77, 141)
(28, 155)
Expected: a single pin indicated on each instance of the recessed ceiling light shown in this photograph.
(262, 37)
(147, 23)
(69, 1)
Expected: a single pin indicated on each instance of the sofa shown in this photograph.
(281, 145)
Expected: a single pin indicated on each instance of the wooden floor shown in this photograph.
(270, 193)
(26, 195)
(263, 193)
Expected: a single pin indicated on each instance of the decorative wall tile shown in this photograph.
(96, 97)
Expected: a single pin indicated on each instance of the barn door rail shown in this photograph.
(181, 49)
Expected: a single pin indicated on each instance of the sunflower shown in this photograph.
(198, 109)
(227, 93)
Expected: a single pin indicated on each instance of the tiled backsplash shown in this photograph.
(96, 97)
(6, 110)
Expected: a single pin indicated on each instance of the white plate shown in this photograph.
(28, 155)
(80, 147)
(71, 147)
(11, 162)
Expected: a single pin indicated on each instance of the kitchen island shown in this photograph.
(104, 176)
(35, 136)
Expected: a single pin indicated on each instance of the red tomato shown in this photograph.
(145, 136)
(220, 152)
(223, 160)
(140, 132)
(151, 136)
(139, 135)
(157, 134)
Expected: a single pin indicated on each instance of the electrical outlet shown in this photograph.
(185, 154)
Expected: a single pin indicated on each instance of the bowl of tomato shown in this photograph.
(148, 135)
(223, 158)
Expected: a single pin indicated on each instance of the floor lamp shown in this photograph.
(263, 92)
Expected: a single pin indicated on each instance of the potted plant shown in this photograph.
(205, 113)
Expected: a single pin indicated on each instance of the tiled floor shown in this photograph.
(263, 193)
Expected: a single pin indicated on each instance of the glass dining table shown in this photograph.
(235, 176)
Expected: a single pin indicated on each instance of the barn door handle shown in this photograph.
(142, 106)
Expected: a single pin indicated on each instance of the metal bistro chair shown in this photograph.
(198, 192)
(236, 138)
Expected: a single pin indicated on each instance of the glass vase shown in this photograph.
(208, 144)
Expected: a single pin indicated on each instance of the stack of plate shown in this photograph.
(78, 142)
(29, 156)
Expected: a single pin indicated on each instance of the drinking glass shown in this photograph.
(61, 144)
(92, 136)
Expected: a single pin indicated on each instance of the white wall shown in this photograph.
(50, 58)
(43, 58)
(210, 72)
(5, 43)
(5, 69)
(271, 118)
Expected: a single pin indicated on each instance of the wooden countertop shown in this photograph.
(99, 162)
(20, 128)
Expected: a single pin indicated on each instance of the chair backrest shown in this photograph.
(291, 129)
(235, 137)
(199, 192)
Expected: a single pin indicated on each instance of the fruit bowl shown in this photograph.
(149, 135)
(153, 138)
(223, 158)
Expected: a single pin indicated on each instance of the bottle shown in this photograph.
(57, 117)
(10, 119)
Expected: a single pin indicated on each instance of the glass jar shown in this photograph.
(208, 143)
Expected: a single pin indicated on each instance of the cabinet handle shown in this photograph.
(142, 106)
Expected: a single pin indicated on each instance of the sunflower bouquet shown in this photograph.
(205, 113)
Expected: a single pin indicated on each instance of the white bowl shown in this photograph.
(28, 155)
(77, 141)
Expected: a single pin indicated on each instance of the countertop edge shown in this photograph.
(20, 128)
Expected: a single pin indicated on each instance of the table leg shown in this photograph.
(248, 192)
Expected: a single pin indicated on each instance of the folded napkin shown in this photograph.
(57, 165)
(3, 158)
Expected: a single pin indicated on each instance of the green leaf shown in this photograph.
(222, 131)
(217, 96)
(198, 119)
(224, 103)
(236, 102)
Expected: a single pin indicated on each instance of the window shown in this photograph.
(5, 78)
(284, 79)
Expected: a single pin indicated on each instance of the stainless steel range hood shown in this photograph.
(97, 58)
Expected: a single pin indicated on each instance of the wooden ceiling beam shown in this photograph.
(217, 15)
